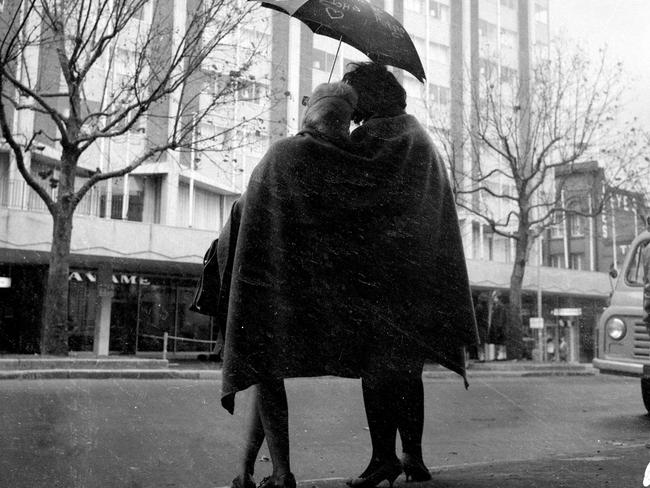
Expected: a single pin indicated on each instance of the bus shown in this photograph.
(622, 337)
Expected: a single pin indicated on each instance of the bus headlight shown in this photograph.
(616, 329)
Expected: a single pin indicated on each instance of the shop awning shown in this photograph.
(492, 275)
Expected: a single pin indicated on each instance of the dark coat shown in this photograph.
(337, 247)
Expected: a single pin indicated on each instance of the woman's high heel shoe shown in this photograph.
(372, 466)
(386, 471)
(286, 480)
(243, 481)
(414, 469)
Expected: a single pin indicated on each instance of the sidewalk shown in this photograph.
(43, 367)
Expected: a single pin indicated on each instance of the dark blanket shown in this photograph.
(340, 252)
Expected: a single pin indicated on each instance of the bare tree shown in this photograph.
(109, 68)
(520, 130)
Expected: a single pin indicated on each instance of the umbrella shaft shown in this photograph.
(336, 56)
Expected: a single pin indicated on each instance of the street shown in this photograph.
(174, 433)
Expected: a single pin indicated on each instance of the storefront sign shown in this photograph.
(122, 279)
(536, 323)
(567, 312)
(5, 282)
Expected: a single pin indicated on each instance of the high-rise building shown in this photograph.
(153, 226)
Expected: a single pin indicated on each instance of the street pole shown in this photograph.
(125, 186)
(192, 153)
(540, 332)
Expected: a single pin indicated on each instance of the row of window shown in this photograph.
(437, 10)
(575, 224)
(576, 261)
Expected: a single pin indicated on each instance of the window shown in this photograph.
(557, 261)
(439, 11)
(511, 4)
(438, 94)
(508, 38)
(322, 60)
(416, 6)
(487, 30)
(557, 227)
(253, 91)
(576, 260)
(634, 272)
(439, 52)
(577, 225)
(508, 75)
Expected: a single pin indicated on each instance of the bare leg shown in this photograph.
(274, 415)
(254, 437)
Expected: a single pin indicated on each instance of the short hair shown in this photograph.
(379, 91)
(330, 108)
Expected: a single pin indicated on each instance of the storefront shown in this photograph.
(572, 302)
(144, 306)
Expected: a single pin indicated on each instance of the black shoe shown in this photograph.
(414, 468)
(286, 480)
(372, 466)
(243, 481)
(380, 472)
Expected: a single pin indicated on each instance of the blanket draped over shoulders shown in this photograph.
(331, 248)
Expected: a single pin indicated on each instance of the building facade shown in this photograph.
(145, 233)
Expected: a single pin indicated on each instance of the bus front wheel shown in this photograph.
(645, 392)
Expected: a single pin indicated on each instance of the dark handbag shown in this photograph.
(206, 296)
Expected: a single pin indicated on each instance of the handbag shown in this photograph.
(206, 295)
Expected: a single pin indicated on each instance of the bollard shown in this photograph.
(165, 339)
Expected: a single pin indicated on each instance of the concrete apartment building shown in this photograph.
(153, 226)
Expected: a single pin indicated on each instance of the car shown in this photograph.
(622, 336)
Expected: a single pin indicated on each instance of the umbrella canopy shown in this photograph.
(360, 24)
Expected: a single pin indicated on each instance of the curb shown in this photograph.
(190, 374)
(98, 374)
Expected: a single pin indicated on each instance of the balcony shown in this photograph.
(26, 235)
(17, 194)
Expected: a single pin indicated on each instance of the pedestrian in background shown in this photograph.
(498, 326)
(550, 349)
(563, 350)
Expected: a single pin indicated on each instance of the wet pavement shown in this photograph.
(502, 432)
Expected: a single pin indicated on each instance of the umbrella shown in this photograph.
(360, 24)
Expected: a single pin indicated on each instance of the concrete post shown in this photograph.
(105, 290)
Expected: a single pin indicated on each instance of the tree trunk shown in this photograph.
(514, 336)
(54, 319)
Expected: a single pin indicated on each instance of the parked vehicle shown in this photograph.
(622, 337)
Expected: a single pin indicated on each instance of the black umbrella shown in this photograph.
(360, 24)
